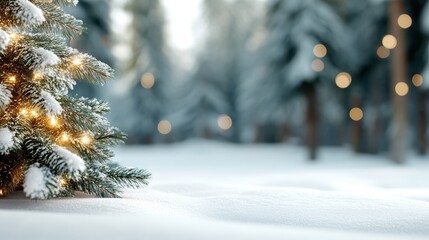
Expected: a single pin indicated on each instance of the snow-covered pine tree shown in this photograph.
(210, 101)
(96, 41)
(52, 144)
(306, 45)
(149, 70)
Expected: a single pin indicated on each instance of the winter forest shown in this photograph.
(214, 119)
(313, 73)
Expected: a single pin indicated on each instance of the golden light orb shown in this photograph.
(405, 21)
(12, 79)
(23, 111)
(417, 80)
(356, 114)
(85, 139)
(320, 51)
(343, 80)
(318, 65)
(383, 52)
(224, 122)
(76, 60)
(401, 89)
(147, 80)
(53, 122)
(164, 127)
(389, 41)
(64, 137)
(34, 113)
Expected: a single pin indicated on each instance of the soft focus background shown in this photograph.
(311, 73)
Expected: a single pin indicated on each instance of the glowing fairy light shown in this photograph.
(356, 114)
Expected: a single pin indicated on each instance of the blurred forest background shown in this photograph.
(310, 72)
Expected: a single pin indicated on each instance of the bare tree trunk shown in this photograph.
(398, 74)
(311, 121)
(422, 123)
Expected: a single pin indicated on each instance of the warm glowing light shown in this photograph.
(63, 182)
(53, 121)
(13, 36)
(320, 50)
(85, 139)
(65, 137)
(224, 122)
(77, 60)
(37, 76)
(1, 192)
(34, 113)
(23, 111)
(343, 80)
(12, 79)
(401, 89)
(164, 127)
(405, 21)
(383, 52)
(318, 65)
(389, 41)
(417, 80)
(356, 114)
(148, 80)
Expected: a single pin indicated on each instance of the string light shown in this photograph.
(53, 122)
(34, 113)
(389, 41)
(401, 89)
(65, 137)
(23, 112)
(85, 139)
(405, 21)
(1, 192)
(77, 60)
(37, 76)
(63, 182)
(12, 79)
(164, 127)
(356, 114)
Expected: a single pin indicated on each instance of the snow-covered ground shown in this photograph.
(205, 190)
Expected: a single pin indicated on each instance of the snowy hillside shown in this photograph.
(205, 190)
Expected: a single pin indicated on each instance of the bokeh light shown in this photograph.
(224, 122)
(405, 21)
(356, 114)
(164, 127)
(343, 80)
(383, 52)
(320, 50)
(401, 89)
(318, 65)
(389, 41)
(417, 80)
(148, 80)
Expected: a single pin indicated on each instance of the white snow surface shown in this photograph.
(4, 40)
(51, 105)
(206, 190)
(46, 58)
(5, 96)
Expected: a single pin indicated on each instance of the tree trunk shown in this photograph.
(398, 74)
(357, 128)
(311, 121)
(422, 141)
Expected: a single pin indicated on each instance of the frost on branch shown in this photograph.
(51, 105)
(46, 58)
(26, 12)
(6, 140)
(4, 40)
(39, 183)
(5, 96)
(73, 161)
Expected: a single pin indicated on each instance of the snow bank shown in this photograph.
(221, 191)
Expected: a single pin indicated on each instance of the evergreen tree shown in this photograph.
(307, 45)
(52, 144)
(149, 68)
(212, 105)
(95, 41)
